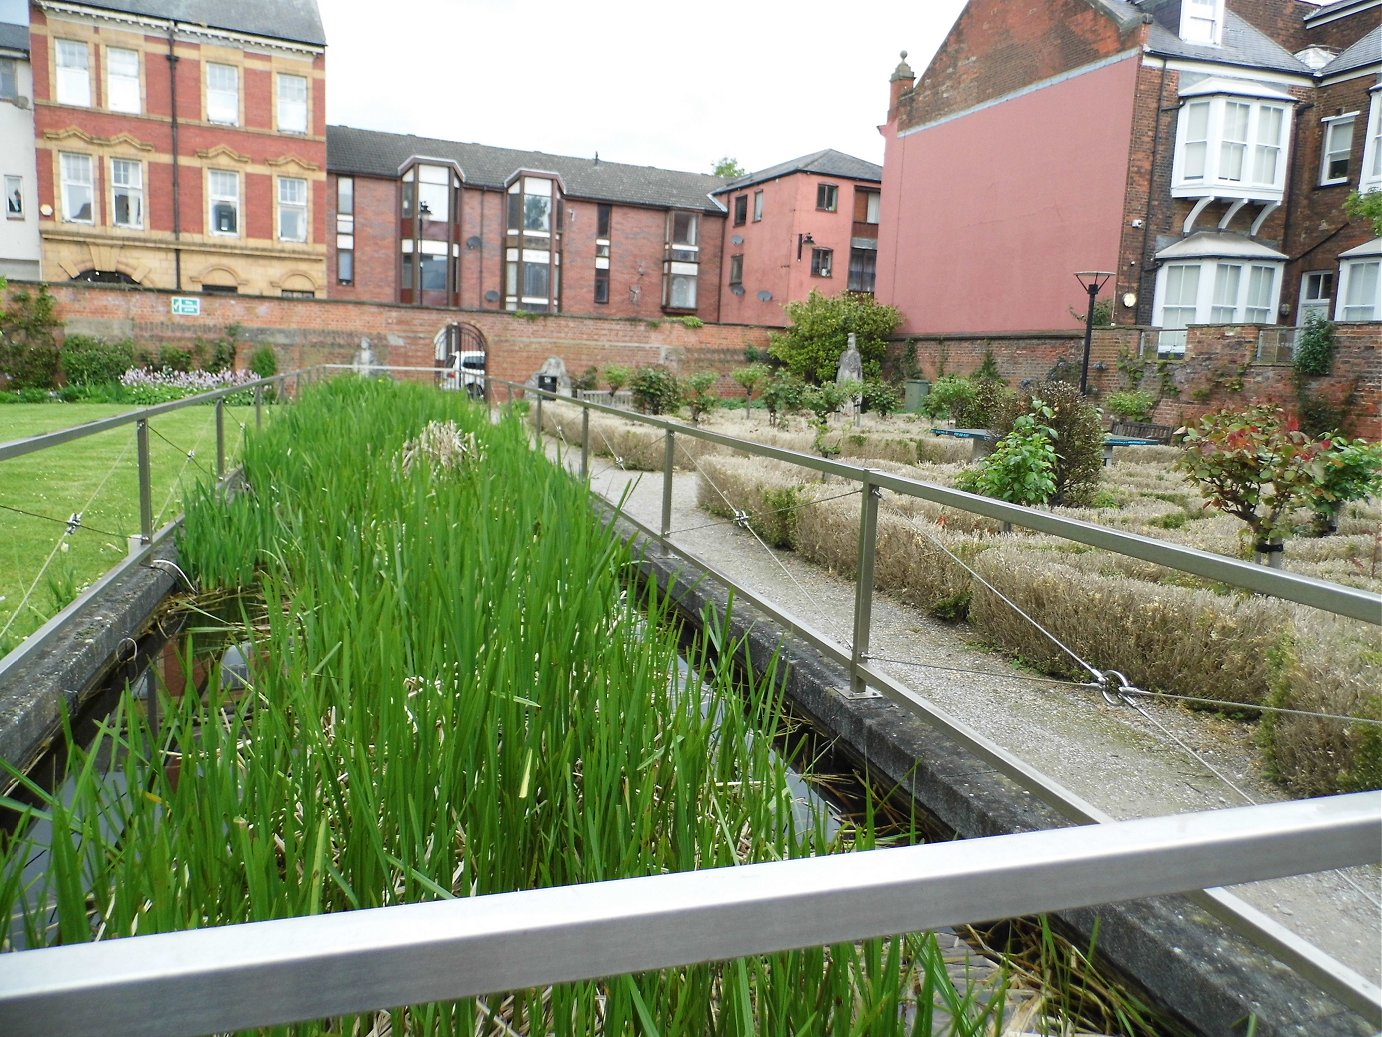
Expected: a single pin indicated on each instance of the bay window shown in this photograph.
(532, 260)
(681, 265)
(1360, 283)
(1371, 179)
(1231, 146)
(1214, 279)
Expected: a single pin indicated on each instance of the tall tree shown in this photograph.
(729, 167)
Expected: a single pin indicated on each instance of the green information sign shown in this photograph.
(186, 306)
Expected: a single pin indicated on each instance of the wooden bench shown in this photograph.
(1159, 434)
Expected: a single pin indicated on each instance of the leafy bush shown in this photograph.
(1133, 404)
(1248, 464)
(87, 360)
(751, 379)
(993, 405)
(880, 398)
(28, 340)
(1022, 467)
(588, 381)
(819, 334)
(264, 362)
(948, 393)
(655, 390)
(697, 392)
(784, 394)
(1079, 440)
(617, 376)
(1346, 471)
(175, 358)
(1315, 350)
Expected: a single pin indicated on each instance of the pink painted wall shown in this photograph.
(770, 246)
(987, 216)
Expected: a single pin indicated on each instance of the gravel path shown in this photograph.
(1123, 762)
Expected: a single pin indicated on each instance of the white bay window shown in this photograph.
(1371, 179)
(1360, 283)
(1231, 144)
(1213, 278)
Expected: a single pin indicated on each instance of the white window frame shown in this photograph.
(123, 88)
(14, 197)
(1209, 176)
(223, 98)
(1202, 22)
(1330, 150)
(822, 262)
(72, 62)
(1355, 276)
(73, 168)
(1370, 176)
(121, 183)
(757, 206)
(9, 79)
(292, 209)
(223, 188)
(292, 111)
(1222, 284)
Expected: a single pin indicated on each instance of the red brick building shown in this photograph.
(1199, 151)
(807, 225)
(182, 143)
(440, 223)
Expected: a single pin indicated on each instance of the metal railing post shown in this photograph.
(863, 587)
(146, 486)
(258, 406)
(220, 438)
(537, 423)
(668, 459)
(585, 442)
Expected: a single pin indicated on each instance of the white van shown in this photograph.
(466, 371)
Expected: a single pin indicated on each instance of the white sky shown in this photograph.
(647, 82)
(658, 83)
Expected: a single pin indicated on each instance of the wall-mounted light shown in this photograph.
(804, 239)
(1129, 299)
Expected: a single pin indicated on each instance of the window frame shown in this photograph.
(71, 81)
(9, 79)
(14, 196)
(827, 197)
(1209, 303)
(291, 104)
(741, 210)
(1194, 15)
(1370, 174)
(1200, 173)
(758, 206)
(863, 270)
(1349, 271)
(67, 183)
(1315, 301)
(221, 99)
(292, 207)
(822, 262)
(125, 82)
(1331, 153)
(601, 286)
(215, 197)
(134, 192)
(736, 270)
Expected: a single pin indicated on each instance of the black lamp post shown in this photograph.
(1091, 281)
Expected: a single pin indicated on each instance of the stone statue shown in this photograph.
(364, 362)
(851, 369)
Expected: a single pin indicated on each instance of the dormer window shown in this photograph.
(1202, 21)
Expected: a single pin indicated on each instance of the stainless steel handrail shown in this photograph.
(263, 973)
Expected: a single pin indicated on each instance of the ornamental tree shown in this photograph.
(819, 334)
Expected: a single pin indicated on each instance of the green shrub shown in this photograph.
(880, 398)
(656, 390)
(587, 382)
(264, 362)
(1133, 404)
(785, 394)
(751, 379)
(1346, 471)
(617, 376)
(28, 340)
(992, 405)
(1079, 441)
(819, 334)
(1022, 467)
(175, 358)
(87, 360)
(948, 394)
(697, 391)
(1315, 350)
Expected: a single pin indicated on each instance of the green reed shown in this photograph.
(455, 692)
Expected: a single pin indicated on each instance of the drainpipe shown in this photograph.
(177, 178)
(1144, 297)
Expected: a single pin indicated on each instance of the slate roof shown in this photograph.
(376, 153)
(826, 163)
(14, 37)
(1242, 45)
(1367, 51)
(296, 20)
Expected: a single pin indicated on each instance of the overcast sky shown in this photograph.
(648, 83)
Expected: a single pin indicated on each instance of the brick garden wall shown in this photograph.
(1220, 369)
(311, 331)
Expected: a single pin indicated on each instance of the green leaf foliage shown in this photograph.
(28, 339)
(819, 334)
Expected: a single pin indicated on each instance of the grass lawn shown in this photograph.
(42, 568)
